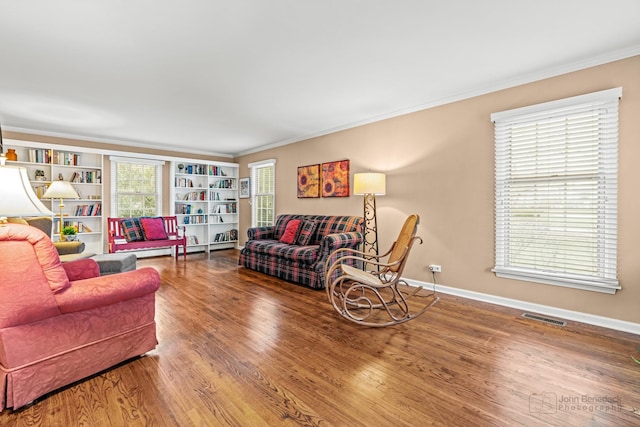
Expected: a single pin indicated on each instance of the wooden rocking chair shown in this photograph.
(373, 298)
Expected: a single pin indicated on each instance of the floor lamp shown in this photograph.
(61, 190)
(370, 185)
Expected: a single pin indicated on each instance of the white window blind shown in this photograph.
(263, 193)
(556, 192)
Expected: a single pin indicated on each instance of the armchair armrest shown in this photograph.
(81, 269)
(105, 290)
(66, 248)
(261, 233)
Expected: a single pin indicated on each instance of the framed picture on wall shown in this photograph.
(245, 188)
(309, 181)
(335, 179)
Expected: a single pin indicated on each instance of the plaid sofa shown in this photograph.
(305, 265)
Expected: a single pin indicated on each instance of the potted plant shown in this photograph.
(68, 233)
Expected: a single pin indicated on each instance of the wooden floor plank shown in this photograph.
(239, 348)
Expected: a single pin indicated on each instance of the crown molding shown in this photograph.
(483, 90)
(126, 143)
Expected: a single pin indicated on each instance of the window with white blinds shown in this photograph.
(556, 192)
(136, 188)
(263, 193)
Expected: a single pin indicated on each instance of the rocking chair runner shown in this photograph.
(373, 298)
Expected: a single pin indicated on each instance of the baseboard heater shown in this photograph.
(544, 319)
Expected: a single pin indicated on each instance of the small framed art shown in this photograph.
(308, 181)
(335, 179)
(245, 188)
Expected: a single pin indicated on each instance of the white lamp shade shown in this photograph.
(16, 195)
(60, 190)
(369, 183)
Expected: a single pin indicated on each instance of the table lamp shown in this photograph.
(61, 190)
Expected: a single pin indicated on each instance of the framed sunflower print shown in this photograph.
(335, 179)
(309, 181)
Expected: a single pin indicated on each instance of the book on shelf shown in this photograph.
(226, 236)
(88, 210)
(216, 171)
(222, 183)
(40, 155)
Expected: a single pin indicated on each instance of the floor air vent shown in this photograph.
(544, 319)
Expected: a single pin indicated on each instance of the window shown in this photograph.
(136, 187)
(556, 192)
(263, 193)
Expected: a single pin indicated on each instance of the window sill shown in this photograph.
(604, 286)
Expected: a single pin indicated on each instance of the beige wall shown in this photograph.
(439, 164)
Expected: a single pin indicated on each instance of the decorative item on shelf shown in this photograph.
(61, 190)
(39, 176)
(12, 155)
(68, 234)
(369, 185)
(180, 168)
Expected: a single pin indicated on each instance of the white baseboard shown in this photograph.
(591, 319)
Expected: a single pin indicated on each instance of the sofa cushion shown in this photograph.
(290, 232)
(281, 224)
(153, 228)
(132, 229)
(303, 254)
(306, 231)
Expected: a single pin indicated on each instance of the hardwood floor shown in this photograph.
(240, 348)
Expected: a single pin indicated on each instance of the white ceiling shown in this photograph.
(234, 76)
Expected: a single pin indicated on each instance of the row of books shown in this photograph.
(195, 195)
(222, 183)
(227, 236)
(87, 177)
(195, 219)
(53, 157)
(192, 169)
(192, 240)
(88, 210)
(186, 209)
(183, 182)
(214, 195)
(197, 169)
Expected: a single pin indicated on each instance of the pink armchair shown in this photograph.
(60, 323)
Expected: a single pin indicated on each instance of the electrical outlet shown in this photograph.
(435, 268)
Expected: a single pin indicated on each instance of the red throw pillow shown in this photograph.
(153, 228)
(290, 232)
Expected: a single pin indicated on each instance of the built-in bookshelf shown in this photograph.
(83, 168)
(205, 200)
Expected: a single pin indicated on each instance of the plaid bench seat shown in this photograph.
(300, 263)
